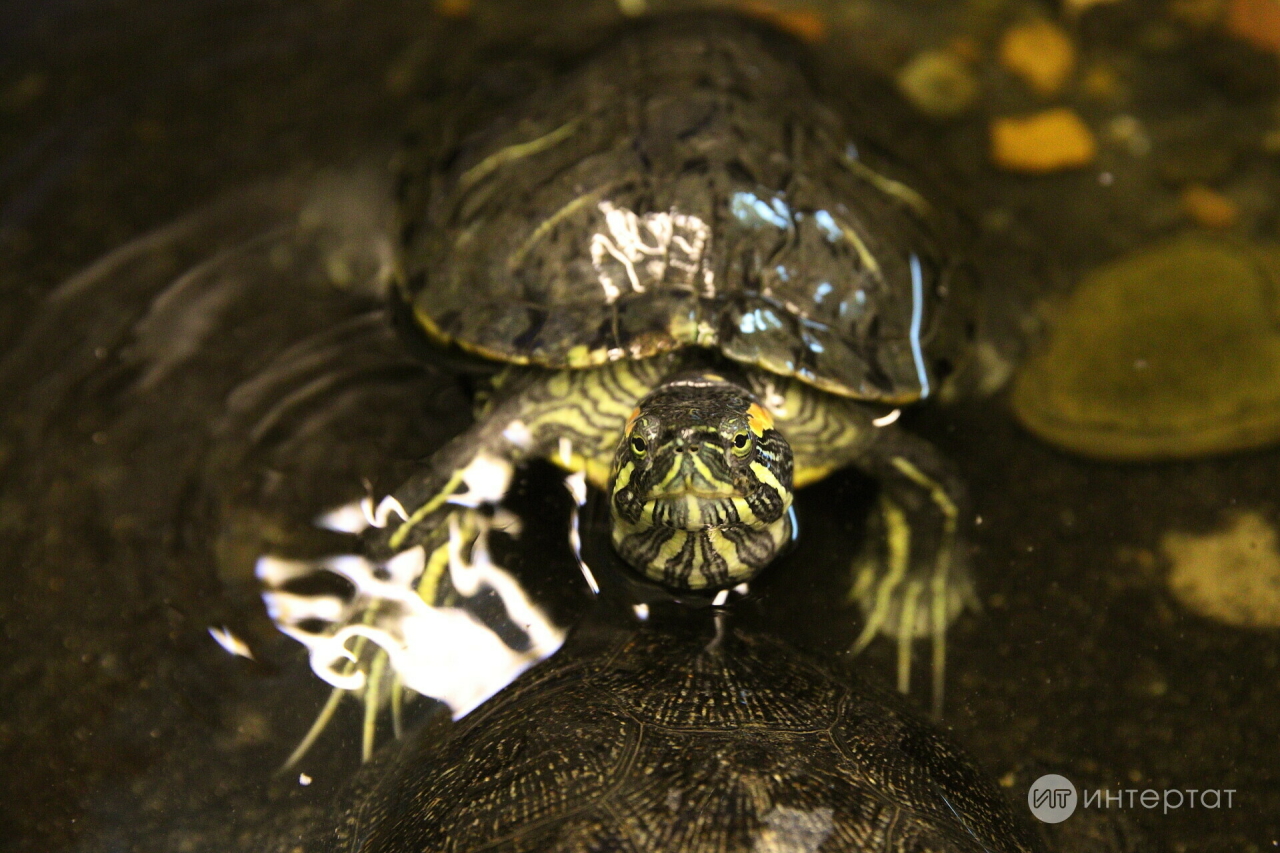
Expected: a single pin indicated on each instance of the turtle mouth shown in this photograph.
(700, 494)
(691, 509)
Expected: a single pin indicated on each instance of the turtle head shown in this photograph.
(701, 488)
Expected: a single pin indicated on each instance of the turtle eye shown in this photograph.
(638, 445)
(742, 443)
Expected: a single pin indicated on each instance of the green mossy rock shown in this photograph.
(1172, 351)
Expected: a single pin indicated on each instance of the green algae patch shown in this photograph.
(1231, 575)
(1172, 351)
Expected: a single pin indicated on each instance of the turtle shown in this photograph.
(700, 290)
(676, 737)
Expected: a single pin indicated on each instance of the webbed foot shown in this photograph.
(407, 628)
(913, 579)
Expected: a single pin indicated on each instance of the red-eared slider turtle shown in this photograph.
(665, 741)
(710, 294)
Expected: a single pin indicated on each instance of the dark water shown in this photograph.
(151, 451)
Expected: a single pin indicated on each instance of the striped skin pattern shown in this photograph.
(582, 412)
(689, 519)
(702, 484)
(689, 513)
(798, 435)
(826, 432)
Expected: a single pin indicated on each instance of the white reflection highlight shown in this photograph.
(519, 434)
(827, 224)
(917, 318)
(486, 477)
(886, 420)
(352, 518)
(577, 486)
(443, 652)
(379, 516)
(230, 642)
(754, 212)
(646, 249)
(759, 320)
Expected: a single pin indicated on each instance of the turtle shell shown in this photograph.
(685, 186)
(660, 741)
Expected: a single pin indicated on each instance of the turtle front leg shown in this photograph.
(913, 579)
(423, 549)
(574, 418)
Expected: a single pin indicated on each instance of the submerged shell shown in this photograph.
(684, 187)
(661, 742)
(1172, 351)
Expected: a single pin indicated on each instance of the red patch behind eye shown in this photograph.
(631, 421)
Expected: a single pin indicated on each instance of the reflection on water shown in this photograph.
(196, 398)
(447, 653)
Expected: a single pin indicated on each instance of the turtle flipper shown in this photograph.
(913, 580)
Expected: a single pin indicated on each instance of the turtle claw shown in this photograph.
(363, 670)
(375, 694)
(909, 600)
(406, 629)
(318, 726)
